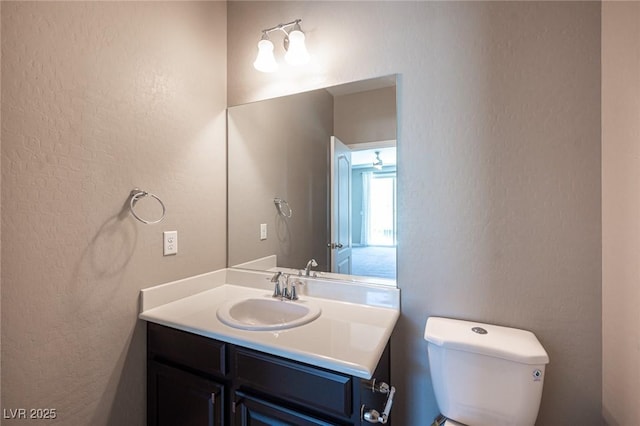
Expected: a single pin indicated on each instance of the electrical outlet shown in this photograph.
(263, 231)
(170, 243)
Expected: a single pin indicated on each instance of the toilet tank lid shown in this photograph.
(501, 342)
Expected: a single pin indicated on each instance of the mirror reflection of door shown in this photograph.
(374, 210)
(340, 176)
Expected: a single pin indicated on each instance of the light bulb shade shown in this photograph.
(265, 61)
(297, 52)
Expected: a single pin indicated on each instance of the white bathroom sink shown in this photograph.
(267, 313)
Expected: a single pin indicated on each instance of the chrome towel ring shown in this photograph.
(135, 196)
(283, 207)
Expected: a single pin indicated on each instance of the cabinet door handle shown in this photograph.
(235, 403)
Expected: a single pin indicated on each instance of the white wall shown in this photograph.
(0, 226)
(99, 97)
(621, 212)
(499, 160)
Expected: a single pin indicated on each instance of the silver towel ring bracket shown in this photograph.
(138, 194)
(283, 207)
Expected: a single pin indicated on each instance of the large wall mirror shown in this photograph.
(313, 176)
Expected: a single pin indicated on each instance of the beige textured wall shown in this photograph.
(621, 212)
(0, 217)
(279, 149)
(366, 116)
(99, 97)
(499, 148)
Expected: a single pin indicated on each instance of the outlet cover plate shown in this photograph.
(170, 243)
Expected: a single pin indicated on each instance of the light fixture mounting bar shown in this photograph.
(281, 27)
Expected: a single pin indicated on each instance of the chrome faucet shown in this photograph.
(289, 289)
(285, 290)
(285, 287)
(276, 277)
(307, 269)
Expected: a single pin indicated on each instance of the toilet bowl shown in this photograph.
(483, 374)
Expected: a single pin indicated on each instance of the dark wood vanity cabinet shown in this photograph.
(252, 411)
(187, 377)
(194, 380)
(182, 398)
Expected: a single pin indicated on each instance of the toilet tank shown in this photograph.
(485, 374)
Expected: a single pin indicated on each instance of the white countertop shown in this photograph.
(349, 336)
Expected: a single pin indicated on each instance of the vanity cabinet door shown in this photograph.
(250, 411)
(308, 387)
(176, 397)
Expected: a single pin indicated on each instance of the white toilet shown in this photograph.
(485, 374)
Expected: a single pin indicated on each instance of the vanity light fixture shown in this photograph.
(293, 43)
(377, 162)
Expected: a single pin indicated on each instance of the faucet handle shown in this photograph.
(294, 293)
(276, 290)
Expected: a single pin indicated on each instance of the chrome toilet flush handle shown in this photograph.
(373, 416)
